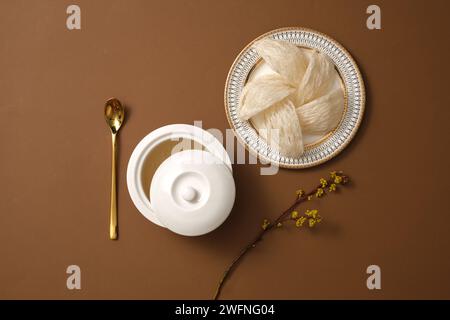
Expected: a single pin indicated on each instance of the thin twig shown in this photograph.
(261, 234)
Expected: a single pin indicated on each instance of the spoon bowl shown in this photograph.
(114, 114)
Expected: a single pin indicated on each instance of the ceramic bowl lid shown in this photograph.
(192, 192)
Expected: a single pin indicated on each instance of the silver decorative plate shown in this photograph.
(328, 146)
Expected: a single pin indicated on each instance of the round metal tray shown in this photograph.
(328, 146)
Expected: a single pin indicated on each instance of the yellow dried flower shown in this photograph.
(332, 174)
(279, 224)
(294, 214)
(318, 218)
(265, 224)
(300, 221)
(309, 197)
(332, 187)
(323, 182)
(312, 213)
(312, 222)
(337, 179)
(300, 193)
(319, 192)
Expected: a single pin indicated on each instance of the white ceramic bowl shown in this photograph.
(192, 192)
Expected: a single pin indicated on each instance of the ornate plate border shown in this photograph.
(354, 91)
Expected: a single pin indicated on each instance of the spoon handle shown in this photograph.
(113, 211)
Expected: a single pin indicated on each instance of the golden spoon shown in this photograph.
(114, 115)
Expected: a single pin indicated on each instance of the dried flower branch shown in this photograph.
(311, 217)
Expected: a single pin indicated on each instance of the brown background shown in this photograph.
(167, 61)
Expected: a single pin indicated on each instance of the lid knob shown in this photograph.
(189, 194)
